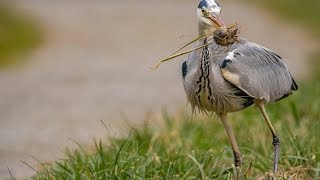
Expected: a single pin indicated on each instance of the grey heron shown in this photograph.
(224, 80)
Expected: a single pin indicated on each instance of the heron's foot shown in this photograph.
(237, 164)
(237, 159)
(237, 173)
(276, 144)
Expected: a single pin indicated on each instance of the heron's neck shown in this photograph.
(206, 54)
(205, 60)
(204, 69)
(204, 29)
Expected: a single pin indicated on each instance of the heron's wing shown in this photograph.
(258, 71)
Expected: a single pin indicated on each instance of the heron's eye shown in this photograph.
(204, 12)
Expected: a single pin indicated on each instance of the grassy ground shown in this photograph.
(18, 35)
(186, 147)
(198, 148)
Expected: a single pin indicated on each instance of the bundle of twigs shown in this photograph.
(222, 36)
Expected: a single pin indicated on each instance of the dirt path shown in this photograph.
(92, 67)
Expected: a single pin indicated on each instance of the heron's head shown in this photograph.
(208, 13)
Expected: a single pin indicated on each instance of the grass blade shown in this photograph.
(199, 166)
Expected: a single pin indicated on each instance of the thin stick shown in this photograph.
(196, 39)
(177, 55)
(174, 55)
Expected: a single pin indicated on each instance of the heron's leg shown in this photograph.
(276, 140)
(232, 139)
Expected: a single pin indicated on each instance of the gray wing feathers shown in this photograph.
(258, 71)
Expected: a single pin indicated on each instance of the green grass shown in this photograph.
(185, 147)
(18, 35)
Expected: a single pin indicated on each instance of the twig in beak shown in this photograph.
(177, 55)
(221, 36)
(191, 42)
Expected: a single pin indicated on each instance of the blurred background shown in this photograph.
(67, 65)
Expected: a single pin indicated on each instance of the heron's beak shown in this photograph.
(216, 20)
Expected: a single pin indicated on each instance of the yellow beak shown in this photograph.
(216, 20)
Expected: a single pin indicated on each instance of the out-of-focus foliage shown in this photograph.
(18, 35)
(306, 12)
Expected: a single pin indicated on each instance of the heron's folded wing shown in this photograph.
(259, 72)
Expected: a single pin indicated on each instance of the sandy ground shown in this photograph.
(93, 66)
